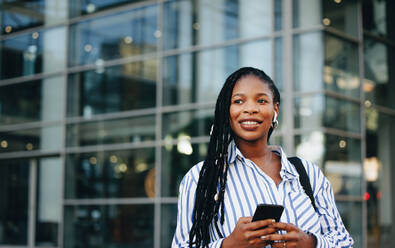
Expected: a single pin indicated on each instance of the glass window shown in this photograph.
(48, 138)
(278, 66)
(379, 171)
(375, 16)
(342, 15)
(127, 130)
(199, 76)
(176, 162)
(317, 111)
(278, 14)
(379, 82)
(168, 223)
(308, 59)
(351, 213)
(37, 52)
(49, 201)
(81, 7)
(112, 89)
(187, 123)
(18, 15)
(109, 226)
(14, 177)
(204, 22)
(306, 13)
(39, 100)
(341, 73)
(116, 36)
(112, 174)
(338, 157)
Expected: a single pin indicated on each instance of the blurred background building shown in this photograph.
(105, 104)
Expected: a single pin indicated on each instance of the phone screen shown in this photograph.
(268, 211)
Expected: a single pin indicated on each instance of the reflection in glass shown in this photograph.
(14, 177)
(342, 15)
(49, 201)
(129, 130)
(18, 15)
(116, 36)
(111, 174)
(37, 52)
(176, 163)
(317, 111)
(375, 16)
(308, 61)
(204, 22)
(306, 13)
(379, 82)
(112, 89)
(118, 226)
(168, 223)
(47, 138)
(338, 157)
(81, 7)
(351, 213)
(341, 72)
(378, 169)
(199, 76)
(191, 123)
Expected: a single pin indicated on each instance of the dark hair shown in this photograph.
(215, 166)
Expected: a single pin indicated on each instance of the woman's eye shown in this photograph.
(238, 101)
(262, 101)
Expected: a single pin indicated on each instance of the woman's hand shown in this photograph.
(293, 238)
(249, 234)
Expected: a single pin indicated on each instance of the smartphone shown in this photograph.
(268, 211)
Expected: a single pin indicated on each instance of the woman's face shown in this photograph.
(251, 109)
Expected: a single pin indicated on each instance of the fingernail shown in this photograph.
(263, 237)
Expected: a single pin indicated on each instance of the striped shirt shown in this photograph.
(247, 186)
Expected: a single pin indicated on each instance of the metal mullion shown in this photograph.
(31, 30)
(378, 38)
(108, 201)
(187, 107)
(27, 78)
(32, 203)
(169, 200)
(311, 29)
(341, 34)
(109, 147)
(28, 154)
(158, 130)
(383, 109)
(326, 130)
(28, 125)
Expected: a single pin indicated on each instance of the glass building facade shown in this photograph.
(106, 104)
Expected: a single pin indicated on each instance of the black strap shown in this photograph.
(303, 178)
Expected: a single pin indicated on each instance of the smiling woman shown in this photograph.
(218, 196)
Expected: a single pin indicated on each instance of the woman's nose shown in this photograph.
(250, 108)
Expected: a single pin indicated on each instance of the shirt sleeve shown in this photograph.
(186, 202)
(332, 232)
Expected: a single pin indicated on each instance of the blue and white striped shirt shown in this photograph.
(247, 186)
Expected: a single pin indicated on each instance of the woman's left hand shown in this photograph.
(293, 238)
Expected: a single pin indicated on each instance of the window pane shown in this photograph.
(379, 171)
(37, 52)
(176, 162)
(114, 174)
(351, 213)
(47, 139)
(317, 111)
(204, 22)
(18, 15)
(187, 123)
(341, 73)
(39, 100)
(375, 16)
(109, 226)
(338, 157)
(116, 36)
(49, 201)
(128, 130)
(306, 13)
(379, 82)
(168, 223)
(14, 177)
(112, 89)
(342, 15)
(81, 7)
(199, 76)
(308, 60)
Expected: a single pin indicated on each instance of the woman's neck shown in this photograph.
(253, 150)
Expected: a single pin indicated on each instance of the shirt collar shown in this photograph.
(287, 169)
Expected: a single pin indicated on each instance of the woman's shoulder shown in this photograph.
(193, 173)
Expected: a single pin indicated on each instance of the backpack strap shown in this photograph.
(303, 178)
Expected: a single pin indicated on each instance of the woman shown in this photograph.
(218, 196)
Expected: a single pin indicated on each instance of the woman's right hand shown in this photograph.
(248, 234)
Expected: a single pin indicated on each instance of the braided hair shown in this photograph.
(209, 200)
